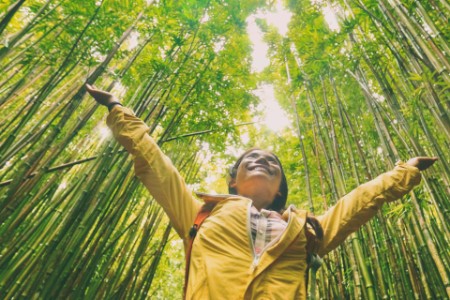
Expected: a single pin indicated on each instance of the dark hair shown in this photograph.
(279, 202)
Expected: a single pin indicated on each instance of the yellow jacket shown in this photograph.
(222, 262)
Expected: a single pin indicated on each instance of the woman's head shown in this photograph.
(258, 174)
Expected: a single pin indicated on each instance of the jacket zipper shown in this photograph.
(252, 244)
(257, 257)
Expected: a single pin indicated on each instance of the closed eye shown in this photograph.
(268, 157)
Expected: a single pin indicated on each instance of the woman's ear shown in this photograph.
(232, 183)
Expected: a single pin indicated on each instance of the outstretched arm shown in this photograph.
(360, 205)
(153, 168)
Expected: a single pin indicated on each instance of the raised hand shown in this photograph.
(102, 97)
(422, 162)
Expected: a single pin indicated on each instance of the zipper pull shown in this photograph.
(254, 263)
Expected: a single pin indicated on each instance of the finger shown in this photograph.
(432, 160)
(426, 162)
(89, 88)
(427, 158)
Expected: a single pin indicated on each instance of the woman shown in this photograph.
(251, 246)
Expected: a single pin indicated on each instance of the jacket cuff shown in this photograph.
(116, 112)
(414, 171)
(409, 177)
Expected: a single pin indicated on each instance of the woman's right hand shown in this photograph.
(422, 162)
(102, 97)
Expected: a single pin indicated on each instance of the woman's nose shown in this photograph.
(262, 159)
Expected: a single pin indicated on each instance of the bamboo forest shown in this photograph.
(362, 84)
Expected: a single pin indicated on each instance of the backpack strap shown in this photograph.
(314, 235)
(202, 214)
(314, 263)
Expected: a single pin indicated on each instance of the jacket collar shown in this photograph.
(213, 198)
(216, 198)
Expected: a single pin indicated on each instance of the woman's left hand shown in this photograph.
(102, 97)
(422, 162)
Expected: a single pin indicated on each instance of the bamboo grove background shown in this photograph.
(75, 222)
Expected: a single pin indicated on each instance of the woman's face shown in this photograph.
(258, 177)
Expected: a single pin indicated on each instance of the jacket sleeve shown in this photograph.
(154, 169)
(360, 205)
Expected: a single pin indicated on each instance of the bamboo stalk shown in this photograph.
(302, 147)
(25, 29)
(12, 10)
